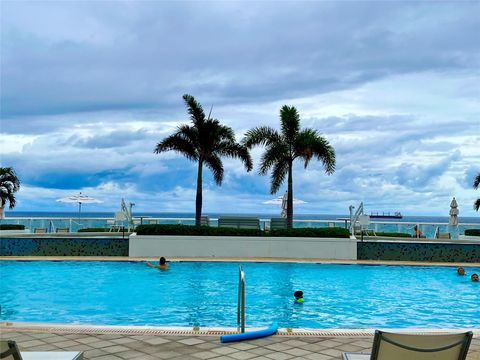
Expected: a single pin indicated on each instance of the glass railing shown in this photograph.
(51, 224)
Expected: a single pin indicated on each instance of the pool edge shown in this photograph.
(208, 331)
(236, 259)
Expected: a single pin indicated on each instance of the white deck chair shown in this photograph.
(9, 351)
(118, 224)
(391, 346)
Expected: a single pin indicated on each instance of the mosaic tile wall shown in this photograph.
(63, 246)
(418, 252)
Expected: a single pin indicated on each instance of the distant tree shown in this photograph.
(476, 184)
(206, 141)
(9, 185)
(283, 147)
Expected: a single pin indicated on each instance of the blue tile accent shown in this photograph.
(418, 252)
(44, 246)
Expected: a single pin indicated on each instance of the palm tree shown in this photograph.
(206, 141)
(9, 184)
(284, 147)
(476, 184)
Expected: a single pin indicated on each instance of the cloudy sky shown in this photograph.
(89, 88)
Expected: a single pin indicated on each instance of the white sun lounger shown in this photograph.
(392, 346)
(9, 351)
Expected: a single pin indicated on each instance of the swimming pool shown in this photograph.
(205, 294)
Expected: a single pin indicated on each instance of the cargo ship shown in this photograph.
(383, 215)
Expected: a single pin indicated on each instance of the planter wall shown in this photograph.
(242, 246)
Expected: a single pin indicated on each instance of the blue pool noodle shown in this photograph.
(250, 335)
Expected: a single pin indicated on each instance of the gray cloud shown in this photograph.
(71, 57)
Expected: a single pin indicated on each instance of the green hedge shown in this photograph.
(391, 234)
(12, 227)
(93, 230)
(157, 229)
(215, 231)
(472, 232)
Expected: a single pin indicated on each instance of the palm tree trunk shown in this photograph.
(290, 198)
(198, 200)
(2, 211)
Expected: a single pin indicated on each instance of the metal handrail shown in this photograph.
(241, 300)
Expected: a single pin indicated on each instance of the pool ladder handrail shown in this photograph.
(241, 300)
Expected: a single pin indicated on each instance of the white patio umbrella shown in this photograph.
(453, 213)
(80, 199)
(282, 201)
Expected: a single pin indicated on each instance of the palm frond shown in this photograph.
(9, 184)
(476, 181)
(183, 142)
(276, 152)
(280, 170)
(476, 204)
(225, 132)
(214, 163)
(263, 135)
(309, 143)
(197, 115)
(236, 151)
(290, 122)
(211, 133)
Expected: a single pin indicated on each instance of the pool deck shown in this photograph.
(190, 347)
(237, 259)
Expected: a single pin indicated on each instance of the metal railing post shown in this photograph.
(241, 300)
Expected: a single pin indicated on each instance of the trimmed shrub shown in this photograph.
(157, 229)
(390, 234)
(12, 227)
(312, 232)
(93, 230)
(472, 232)
(215, 231)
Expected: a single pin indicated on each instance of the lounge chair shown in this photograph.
(278, 223)
(443, 235)
(118, 223)
(40, 230)
(61, 230)
(392, 346)
(239, 222)
(9, 351)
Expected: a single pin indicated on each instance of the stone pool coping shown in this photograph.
(237, 259)
(210, 331)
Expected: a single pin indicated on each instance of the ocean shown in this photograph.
(405, 219)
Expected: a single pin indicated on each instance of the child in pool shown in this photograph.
(298, 297)
(162, 264)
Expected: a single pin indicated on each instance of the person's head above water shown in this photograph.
(298, 294)
(162, 261)
(461, 271)
(474, 277)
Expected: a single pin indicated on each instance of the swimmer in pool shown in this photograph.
(162, 264)
(461, 271)
(298, 297)
(474, 277)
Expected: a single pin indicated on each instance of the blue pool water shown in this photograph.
(205, 294)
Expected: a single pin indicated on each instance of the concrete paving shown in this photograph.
(152, 347)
